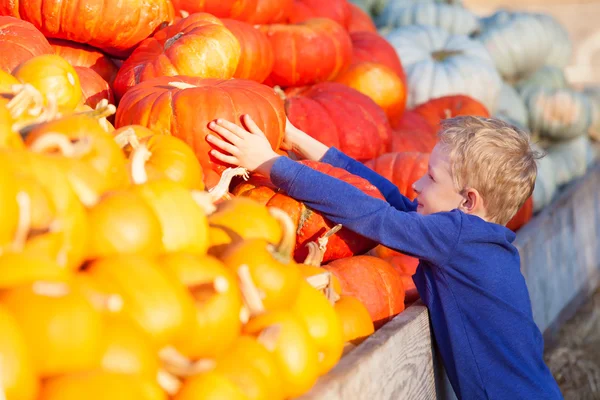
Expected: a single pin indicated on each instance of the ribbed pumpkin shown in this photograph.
(342, 117)
(310, 225)
(371, 47)
(19, 41)
(380, 83)
(511, 107)
(428, 52)
(453, 18)
(196, 102)
(100, 385)
(360, 21)
(97, 23)
(58, 342)
(406, 267)
(199, 45)
(19, 381)
(93, 87)
(402, 169)
(81, 55)
(256, 58)
(438, 109)
(522, 216)
(251, 11)
(336, 10)
(355, 319)
(374, 282)
(313, 51)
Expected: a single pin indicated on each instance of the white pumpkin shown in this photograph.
(438, 64)
(593, 93)
(452, 18)
(521, 43)
(548, 77)
(511, 107)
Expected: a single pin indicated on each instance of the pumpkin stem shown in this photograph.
(315, 255)
(26, 98)
(323, 240)
(442, 55)
(85, 194)
(204, 200)
(285, 248)
(171, 41)
(103, 110)
(137, 167)
(279, 91)
(179, 365)
(447, 113)
(168, 382)
(53, 140)
(127, 137)
(184, 14)
(50, 289)
(24, 222)
(250, 293)
(182, 85)
(268, 336)
(222, 188)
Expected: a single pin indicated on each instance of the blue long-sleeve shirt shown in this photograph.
(468, 276)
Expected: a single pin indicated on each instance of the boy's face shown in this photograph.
(435, 190)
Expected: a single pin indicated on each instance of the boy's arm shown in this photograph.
(311, 149)
(431, 238)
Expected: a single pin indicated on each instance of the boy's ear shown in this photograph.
(472, 202)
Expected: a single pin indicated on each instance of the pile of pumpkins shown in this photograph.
(135, 265)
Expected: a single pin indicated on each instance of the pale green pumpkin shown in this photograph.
(511, 107)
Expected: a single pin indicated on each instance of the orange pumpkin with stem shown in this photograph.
(310, 224)
(20, 41)
(196, 102)
(54, 77)
(287, 337)
(438, 109)
(198, 45)
(45, 313)
(170, 157)
(81, 55)
(355, 318)
(372, 281)
(93, 87)
(372, 47)
(335, 10)
(251, 11)
(100, 385)
(160, 306)
(270, 266)
(19, 380)
(217, 303)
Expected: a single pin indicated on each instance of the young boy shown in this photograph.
(480, 173)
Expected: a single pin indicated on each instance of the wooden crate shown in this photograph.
(560, 259)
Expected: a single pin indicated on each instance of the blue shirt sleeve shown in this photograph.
(388, 189)
(431, 238)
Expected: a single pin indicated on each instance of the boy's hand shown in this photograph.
(247, 148)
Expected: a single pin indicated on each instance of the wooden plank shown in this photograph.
(396, 362)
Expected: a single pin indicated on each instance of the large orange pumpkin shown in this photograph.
(312, 51)
(99, 23)
(257, 59)
(184, 106)
(93, 87)
(402, 169)
(19, 41)
(337, 10)
(372, 47)
(380, 83)
(198, 45)
(251, 11)
(81, 55)
(436, 110)
(342, 117)
(406, 267)
(359, 20)
(413, 133)
(374, 282)
(310, 224)
(522, 216)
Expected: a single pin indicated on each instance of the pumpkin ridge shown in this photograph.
(388, 290)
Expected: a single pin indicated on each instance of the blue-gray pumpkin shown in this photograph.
(593, 93)
(438, 64)
(511, 107)
(453, 18)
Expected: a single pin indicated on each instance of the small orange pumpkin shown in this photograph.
(355, 319)
(208, 386)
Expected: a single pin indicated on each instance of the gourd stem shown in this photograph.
(250, 293)
(24, 222)
(182, 85)
(268, 336)
(285, 248)
(442, 55)
(50, 289)
(222, 188)
(137, 167)
(184, 14)
(324, 240)
(204, 200)
(315, 255)
(103, 109)
(168, 382)
(279, 91)
(53, 140)
(127, 137)
(26, 99)
(87, 196)
(177, 364)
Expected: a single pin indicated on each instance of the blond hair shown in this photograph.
(494, 158)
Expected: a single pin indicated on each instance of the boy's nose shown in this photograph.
(415, 187)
